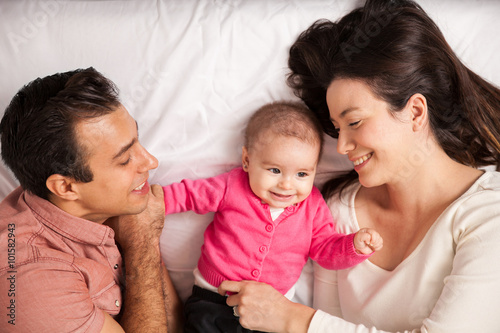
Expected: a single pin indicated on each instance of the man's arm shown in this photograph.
(173, 304)
(151, 303)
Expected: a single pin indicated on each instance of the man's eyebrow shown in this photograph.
(128, 146)
(125, 148)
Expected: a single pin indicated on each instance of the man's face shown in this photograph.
(119, 163)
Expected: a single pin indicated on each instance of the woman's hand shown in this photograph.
(263, 308)
(368, 240)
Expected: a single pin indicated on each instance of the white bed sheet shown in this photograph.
(192, 72)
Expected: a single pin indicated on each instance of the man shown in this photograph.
(75, 151)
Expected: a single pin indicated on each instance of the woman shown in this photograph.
(416, 123)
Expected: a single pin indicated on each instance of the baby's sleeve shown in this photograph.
(200, 196)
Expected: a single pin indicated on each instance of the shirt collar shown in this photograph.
(67, 225)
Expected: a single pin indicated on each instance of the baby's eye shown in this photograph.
(302, 174)
(275, 170)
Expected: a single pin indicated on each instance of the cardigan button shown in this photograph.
(262, 249)
(269, 227)
(255, 273)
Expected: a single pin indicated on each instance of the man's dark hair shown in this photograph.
(37, 131)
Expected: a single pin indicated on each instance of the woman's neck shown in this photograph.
(440, 180)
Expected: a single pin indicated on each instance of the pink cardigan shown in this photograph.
(244, 243)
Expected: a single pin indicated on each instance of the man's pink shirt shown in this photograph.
(63, 272)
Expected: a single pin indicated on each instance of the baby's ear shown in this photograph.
(244, 158)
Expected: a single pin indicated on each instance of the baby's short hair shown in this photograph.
(284, 118)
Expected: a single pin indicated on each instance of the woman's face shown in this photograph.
(378, 142)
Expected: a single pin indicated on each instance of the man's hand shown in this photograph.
(151, 302)
(132, 231)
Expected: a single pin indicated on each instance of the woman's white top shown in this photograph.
(449, 283)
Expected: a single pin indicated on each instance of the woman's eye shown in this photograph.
(354, 123)
(335, 128)
(275, 170)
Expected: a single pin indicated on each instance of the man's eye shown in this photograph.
(126, 162)
(275, 170)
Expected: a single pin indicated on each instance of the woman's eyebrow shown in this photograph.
(345, 112)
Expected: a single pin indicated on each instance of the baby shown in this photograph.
(269, 218)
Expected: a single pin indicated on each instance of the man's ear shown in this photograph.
(244, 158)
(62, 187)
(417, 105)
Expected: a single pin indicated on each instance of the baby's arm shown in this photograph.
(367, 241)
(200, 196)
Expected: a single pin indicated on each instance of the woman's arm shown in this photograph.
(469, 296)
(468, 302)
(263, 308)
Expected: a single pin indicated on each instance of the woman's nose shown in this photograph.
(344, 144)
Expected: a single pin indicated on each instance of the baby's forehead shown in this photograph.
(287, 152)
(272, 138)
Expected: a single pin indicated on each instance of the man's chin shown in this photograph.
(138, 209)
(142, 206)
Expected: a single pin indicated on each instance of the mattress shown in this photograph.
(192, 72)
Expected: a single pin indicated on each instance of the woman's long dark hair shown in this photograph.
(398, 50)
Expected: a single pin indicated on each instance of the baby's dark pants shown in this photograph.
(207, 312)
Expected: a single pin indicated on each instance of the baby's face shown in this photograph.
(281, 169)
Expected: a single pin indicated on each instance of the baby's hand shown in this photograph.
(367, 240)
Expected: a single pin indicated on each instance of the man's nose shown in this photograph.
(149, 161)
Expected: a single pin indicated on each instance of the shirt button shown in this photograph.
(269, 227)
(117, 303)
(262, 249)
(255, 273)
(116, 266)
(289, 208)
